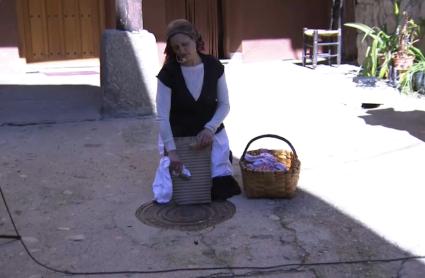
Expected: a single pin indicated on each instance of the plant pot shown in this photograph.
(403, 62)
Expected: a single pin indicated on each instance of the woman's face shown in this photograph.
(185, 49)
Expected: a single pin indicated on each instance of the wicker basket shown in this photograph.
(197, 189)
(271, 184)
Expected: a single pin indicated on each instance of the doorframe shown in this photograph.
(21, 30)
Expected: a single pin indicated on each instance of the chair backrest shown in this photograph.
(336, 14)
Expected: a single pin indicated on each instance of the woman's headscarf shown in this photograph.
(182, 26)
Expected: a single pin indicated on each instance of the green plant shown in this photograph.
(414, 78)
(419, 56)
(379, 51)
(407, 33)
(384, 47)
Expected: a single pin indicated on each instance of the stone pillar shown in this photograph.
(129, 15)
(129, 63)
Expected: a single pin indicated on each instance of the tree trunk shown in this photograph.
(129, 15)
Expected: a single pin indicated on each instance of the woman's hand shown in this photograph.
(176, 164)
(205, 138)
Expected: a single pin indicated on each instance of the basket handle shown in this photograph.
(272, 136)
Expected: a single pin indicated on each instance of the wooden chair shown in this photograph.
(324, 43)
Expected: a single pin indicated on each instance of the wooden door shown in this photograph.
(60, 29)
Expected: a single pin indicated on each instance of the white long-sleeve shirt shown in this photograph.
(193, 77)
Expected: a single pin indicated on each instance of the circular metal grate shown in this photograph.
(186, 217)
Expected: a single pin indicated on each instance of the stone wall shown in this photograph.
(380, 13)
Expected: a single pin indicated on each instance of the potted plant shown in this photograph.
(387, 50)
(407, 34)
(379, 52)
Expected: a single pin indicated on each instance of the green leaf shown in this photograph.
(369, 31)
(396, 8)
(374, 57)
(383, 72)
(360, 26)
(417, 52)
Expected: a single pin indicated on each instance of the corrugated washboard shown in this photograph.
(197, 189)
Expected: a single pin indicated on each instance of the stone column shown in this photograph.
(129, 15)
(129, 64)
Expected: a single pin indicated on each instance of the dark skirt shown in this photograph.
(224, 187)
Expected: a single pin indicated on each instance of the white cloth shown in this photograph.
(220, 163)
(162, 186)
(193, 77)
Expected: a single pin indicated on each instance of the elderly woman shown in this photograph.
(192, 100)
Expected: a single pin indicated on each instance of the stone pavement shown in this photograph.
(73, 187)
(50, 92)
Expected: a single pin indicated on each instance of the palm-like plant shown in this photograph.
(379, 52)
(384, 47)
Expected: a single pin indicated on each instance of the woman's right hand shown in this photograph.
(176, 164)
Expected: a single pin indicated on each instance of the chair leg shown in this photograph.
(304, 49)
(315, 48)
(338, 57)
(329, 57)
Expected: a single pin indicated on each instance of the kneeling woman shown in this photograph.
(192, 100)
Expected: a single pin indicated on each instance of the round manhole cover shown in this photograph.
(186, 217)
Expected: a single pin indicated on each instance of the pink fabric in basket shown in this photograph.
(264, 162)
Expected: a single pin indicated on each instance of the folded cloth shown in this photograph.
(264, 162)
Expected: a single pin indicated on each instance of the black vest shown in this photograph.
(187, 116)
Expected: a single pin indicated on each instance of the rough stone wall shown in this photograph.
(380, 13)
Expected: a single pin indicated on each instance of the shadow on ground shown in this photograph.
(35, 104)
(326, 241)
(306, 237)
(411, 121)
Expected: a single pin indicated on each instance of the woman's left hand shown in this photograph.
(205, 138)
